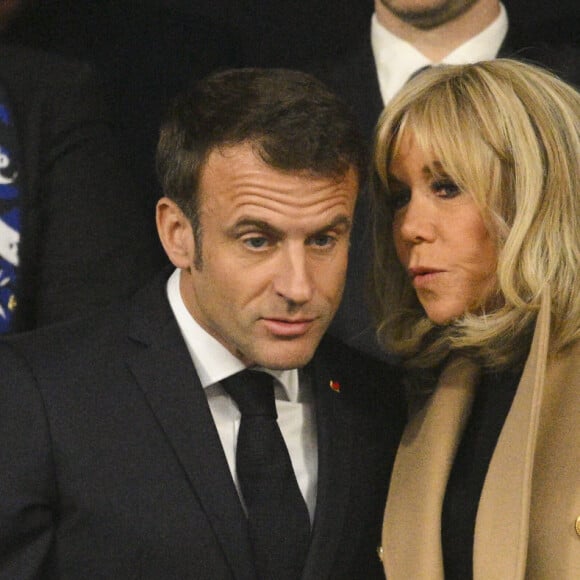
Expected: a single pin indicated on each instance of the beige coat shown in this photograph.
(528, 522)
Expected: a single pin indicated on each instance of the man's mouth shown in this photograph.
(288, 327)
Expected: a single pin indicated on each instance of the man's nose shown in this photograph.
(293, 281)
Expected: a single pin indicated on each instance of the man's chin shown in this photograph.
(286, 355)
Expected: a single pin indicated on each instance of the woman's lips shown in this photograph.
(423, 277)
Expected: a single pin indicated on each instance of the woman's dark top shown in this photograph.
(492, 403)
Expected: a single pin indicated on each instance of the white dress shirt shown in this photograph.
(396, 59)
(294, 399)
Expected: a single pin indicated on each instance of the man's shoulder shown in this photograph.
(559, 54)
(58, 345)
(353, 76)
(96, 337)
(16, 56)
(356, 61)
(25, 69)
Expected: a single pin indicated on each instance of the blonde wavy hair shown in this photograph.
(508, 134)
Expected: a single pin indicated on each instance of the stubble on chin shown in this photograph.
(429, 18)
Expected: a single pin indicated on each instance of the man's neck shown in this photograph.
(436, 43)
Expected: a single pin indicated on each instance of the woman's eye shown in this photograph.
(445, 188)
(399, 199)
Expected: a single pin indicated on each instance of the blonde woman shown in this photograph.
(476, 289)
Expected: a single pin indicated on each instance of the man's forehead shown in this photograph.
(240, 164)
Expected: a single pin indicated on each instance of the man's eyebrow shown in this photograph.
(340, 220)
(261, 225)
(265, 227)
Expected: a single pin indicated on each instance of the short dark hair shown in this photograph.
(294, 122)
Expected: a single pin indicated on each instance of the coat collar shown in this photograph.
(412, 530)
(412, 525)
(502, 524)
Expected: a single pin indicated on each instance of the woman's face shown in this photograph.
(440, 236)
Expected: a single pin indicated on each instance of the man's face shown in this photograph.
(427, 14)
(274, 250)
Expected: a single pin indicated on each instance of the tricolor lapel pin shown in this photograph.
(335, 386)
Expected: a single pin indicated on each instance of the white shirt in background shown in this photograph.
(396, 59)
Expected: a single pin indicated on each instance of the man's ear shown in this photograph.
(175, 232)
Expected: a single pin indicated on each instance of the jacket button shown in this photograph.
(578, 526)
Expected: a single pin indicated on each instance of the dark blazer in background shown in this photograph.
(85, 238)
(353, 76)
(111, 465)
(147, 51)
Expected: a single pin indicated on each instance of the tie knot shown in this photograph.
(253, 392)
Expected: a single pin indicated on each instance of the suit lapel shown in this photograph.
(366, 97)
(165, 373)
(361, 87)
(354, 77)
(334, 471)
(421, 472)
(502, 526)
(412, 531)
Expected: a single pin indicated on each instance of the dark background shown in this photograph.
(145, 51)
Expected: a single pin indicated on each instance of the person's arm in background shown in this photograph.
(94, 242)
(27, 482)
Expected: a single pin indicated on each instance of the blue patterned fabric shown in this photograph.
(10, 213)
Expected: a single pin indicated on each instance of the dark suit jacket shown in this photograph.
(354, 77)
(85, 238)
(111, 465)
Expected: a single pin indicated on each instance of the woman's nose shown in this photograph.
(415, 222)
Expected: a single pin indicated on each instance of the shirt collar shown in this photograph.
(396, 59)
(483, 46)
(212, 361)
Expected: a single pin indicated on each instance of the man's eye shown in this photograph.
(445, 188)
(256, 242)
(399, 199)
(322, 240)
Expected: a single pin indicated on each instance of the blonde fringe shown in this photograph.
(498, 127)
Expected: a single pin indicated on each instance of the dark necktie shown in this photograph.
(277, 514)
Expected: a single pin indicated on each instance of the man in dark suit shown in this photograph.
(405, 36)
(118, 433)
